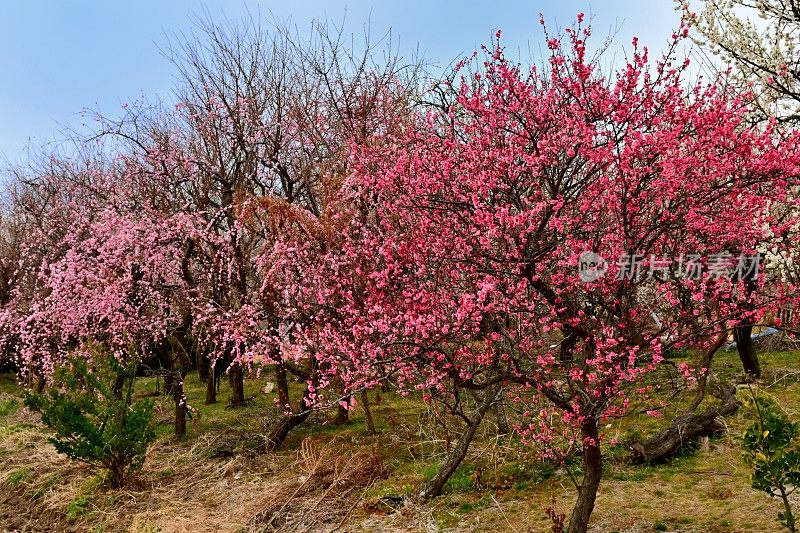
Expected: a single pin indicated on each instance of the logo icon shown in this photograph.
(591, 267)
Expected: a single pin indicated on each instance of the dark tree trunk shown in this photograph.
(211, 387)
(342, 413)
(280, 431)
(287, 423)
(743, 331)
(788, 514)
(204, 367)
(592, 474)
(282, 383)
(117, 471)
(180, 410)
(367, 413)
(174, 359)
(236, 377)
(685, 429)
(173, 386)
(119, 383)
(180, 355)
(747, 350)
(502, 419)
(434, 486)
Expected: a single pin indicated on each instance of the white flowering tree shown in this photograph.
(759, 40)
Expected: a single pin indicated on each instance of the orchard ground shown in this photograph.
(330, 477)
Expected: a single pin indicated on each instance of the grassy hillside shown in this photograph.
(341, 478)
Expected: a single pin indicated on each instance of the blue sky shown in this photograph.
(58, 57)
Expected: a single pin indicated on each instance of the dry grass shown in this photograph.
(184, 487)
(323, 495)
(341, 479)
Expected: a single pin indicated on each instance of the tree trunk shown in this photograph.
(211, 387)
(743, 331)
(236, 377)
(281, 430)
(117, 471)
(367, 413)
(434, 486)
(708, 358)
(502, 420)
(119, 383)
(180, 410)
(686, 428)
(788, 514)
(173, 386)
(178, 396)
(747, 350)
(592, 474)
(342, 413)
(204, 369)
(282, 384)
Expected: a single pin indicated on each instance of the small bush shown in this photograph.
(89, 407)
(772, 451)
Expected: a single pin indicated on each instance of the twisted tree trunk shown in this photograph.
(434, 486)
(288, 422)
(592, 474)
(277, 435)
(685, 429)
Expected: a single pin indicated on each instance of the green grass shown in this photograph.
(460, 481)
(218, 417)
(78, 507)
(18, 476)
(476, 506)
(48, 483)
(9, 384)
(8, 407)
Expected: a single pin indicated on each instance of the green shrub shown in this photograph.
(91, 410)
(772, 451)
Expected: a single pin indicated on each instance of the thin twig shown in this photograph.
(504, 514)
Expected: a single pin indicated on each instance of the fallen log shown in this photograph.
(687, 428)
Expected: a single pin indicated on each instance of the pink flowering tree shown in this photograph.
(100, 266)
(263, 120)
(46, 200)
(465, 232)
